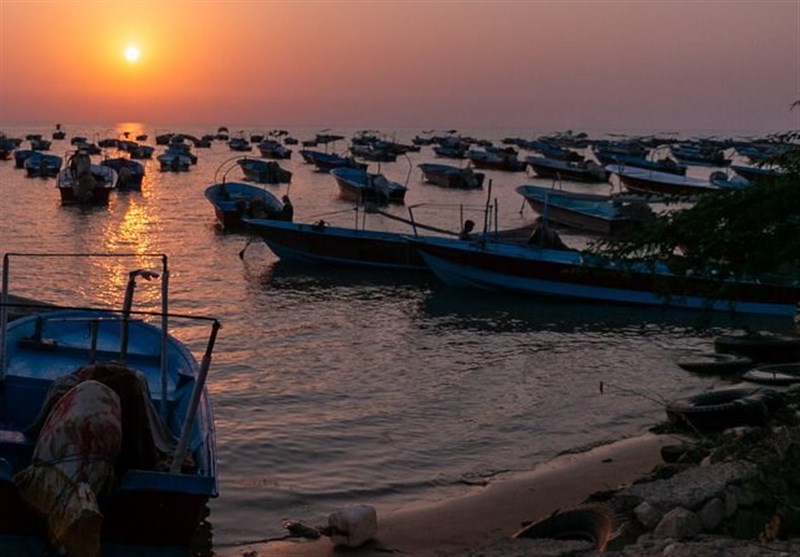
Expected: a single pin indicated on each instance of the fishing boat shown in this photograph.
(665, 164)
(449, 176)
(595, 213)
(764, 175)
(235, 201)
(42, 165)
(130, 172)
(568, 273)
(106, 433)
(84, 183)
(322, 244)
(579, 171)
(325, 162)
(264, 172)
(359, 185)
(640, 180)
(273, 149)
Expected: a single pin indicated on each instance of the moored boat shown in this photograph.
(579, 171)
(598, 214)
(359, 185)
(449, 176)
(84, 183)
(639, 180)
(235, 201)
(42, 165)
(264, 172)
(322, 244)
(571, 274)
(118, 410)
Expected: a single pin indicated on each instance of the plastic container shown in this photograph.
(353, 526)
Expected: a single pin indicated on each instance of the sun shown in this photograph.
(132, 53)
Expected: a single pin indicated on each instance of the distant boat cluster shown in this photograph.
(649, 169)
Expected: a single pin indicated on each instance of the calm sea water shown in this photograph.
(338, 386)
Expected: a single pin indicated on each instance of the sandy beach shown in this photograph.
(495, 512)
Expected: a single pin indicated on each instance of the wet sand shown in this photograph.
(455, 526)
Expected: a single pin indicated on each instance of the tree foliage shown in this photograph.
(749, 232)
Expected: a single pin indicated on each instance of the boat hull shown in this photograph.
(568, 274)
(323, 244)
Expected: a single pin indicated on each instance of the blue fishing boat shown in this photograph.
(106, 428)
(565, 273)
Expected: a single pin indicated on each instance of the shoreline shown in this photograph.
(454, 526)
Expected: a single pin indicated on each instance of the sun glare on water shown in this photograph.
(132, 53)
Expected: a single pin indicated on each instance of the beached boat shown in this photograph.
(107, 433)
(322, 244)
(449, 176)
(595, 213)
(42, 165)
(84, 183)
(640, 180)
(572, 274)
(264, 172)
(359, 185)
(579, 171)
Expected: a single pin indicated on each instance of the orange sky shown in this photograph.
(594, 64)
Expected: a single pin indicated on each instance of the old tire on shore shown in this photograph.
(719, 410)
(775, 374)
(717, 363)
(593, 523)
(761, 347)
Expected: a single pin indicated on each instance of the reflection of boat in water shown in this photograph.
(116, 407)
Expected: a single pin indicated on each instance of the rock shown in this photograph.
(712, 514)
(679, 523)
(647, 515)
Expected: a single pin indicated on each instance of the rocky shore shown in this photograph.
(676, 492)
(730, 494)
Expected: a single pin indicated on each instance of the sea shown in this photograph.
(336, 386)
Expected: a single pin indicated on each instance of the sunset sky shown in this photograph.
(593, 64)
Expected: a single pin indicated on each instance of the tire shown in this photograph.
(760, 347)
(776, 374)
(593, 523)
(716, 363)
(718, 410)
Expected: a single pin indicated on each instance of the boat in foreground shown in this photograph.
(106, 429)
(595, 213)
(572, 274)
